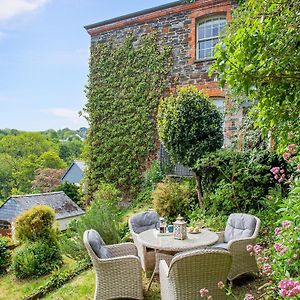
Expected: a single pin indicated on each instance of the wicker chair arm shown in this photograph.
(240, 244)
(121, 250)
(221, 236)
(163, 268)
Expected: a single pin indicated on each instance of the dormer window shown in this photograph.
(208, 32)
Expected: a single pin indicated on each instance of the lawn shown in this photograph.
(83, 286)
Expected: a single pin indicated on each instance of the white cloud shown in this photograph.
(13, 8)
(70, 115)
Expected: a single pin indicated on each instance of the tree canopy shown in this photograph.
(260, 57)
(189, 126)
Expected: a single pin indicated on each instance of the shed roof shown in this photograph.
(63, 206)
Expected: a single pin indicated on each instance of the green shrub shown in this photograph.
(72, 191)
(237, 181)
(171, 198)
(34, 259)
(4, 255)
(103, 216)
(35, 223)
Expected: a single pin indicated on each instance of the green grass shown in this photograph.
(12, 288)
(83, 287)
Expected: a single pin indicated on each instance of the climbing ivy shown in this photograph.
(125, 84)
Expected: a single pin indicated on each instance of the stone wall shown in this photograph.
(176, 26)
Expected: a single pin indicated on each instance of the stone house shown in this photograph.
(192, 29)
(65, 209)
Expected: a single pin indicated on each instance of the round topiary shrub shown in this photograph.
(35, 223)
(36, 259)
(4, 255)
(171, 198)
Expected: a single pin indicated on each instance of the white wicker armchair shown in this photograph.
(190, 271)
(241, 230)
(137, 224)
(118, 269)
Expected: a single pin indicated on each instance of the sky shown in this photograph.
(44, 52)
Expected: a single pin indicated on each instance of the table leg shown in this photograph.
(154, 271)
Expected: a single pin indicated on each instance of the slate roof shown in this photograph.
(79, 163)
(63, 206)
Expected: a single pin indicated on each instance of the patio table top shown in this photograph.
(150, 239)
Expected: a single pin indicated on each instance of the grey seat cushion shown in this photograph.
(97, 244)
(239, 226)
(144, 221)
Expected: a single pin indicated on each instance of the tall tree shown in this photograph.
(260, 57)
(189, 126)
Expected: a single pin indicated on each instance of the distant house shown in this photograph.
(74, 173)
(66, 210)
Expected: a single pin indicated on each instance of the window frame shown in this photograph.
(220, 17)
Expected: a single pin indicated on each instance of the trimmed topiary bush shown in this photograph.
(35, 223)
(40, 253)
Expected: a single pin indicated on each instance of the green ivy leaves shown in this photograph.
(124, 88)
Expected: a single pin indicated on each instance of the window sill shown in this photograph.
(203, 60)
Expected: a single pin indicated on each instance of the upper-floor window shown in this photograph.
(208, 36)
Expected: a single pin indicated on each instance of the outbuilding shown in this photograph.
(66, 210)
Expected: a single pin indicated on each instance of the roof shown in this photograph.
(135, 14)
(79, 163)
(63, 206)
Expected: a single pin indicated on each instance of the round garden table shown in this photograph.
(166, 246)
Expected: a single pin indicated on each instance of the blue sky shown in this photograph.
(44, 53)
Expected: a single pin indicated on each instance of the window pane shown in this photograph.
(208, 33)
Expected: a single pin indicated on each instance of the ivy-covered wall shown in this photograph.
(126, 82)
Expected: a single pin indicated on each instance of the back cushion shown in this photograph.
(239, 226)
(97, 244)
(144, 221)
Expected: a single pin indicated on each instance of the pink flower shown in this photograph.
(280, 179)
(203, 292)
(289, 288)
(209, 298)
(286, 224)
(280, 248)
(291, 148)
(249, 248)
(249, 297)
(275, 170)
(286, 155)
(221, 285)
(278, 230)
(298, 167)
(257, 249)
(267, 269)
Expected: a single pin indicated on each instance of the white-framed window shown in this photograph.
(220, 104)
(208, 32)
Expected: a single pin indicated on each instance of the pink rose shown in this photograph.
(275, 170)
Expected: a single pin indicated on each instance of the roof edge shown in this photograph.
(135, 14)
